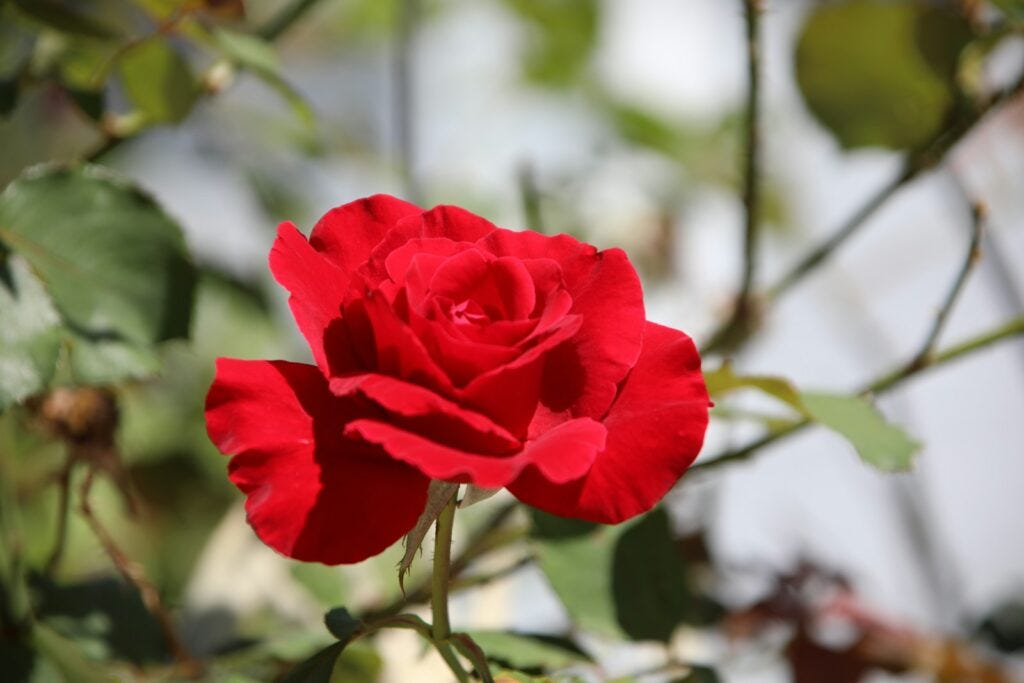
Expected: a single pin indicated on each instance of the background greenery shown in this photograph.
(123, 554)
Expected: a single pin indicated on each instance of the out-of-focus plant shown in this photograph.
(109, 486)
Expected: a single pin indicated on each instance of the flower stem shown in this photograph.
(440, 629)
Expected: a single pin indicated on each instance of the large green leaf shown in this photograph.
(876, 72)
(878, 442)
(29, 334)
(113, 262)
(579, 569)
(158, 81)
(649, 580)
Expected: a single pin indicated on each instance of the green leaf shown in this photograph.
(324, 583)
(863, 74)
(29, 334)
(544, 525)
(700, 674)
(67, 657)
(318, 668)
(724, 380)
(258, 56)
(113, 262)
(100, 360)
(878, 442)
(518, 677)
(563, 37)
(158, 81)
(579, 569)
(649, 580)
(66, 17)
(524, 651)
(1013, 9)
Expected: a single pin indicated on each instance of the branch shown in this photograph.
(751, 185)
(971, 258)
(136, 576)
(925, 158)
(880, 385)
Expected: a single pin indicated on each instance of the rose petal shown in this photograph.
(442, 420)
(606, 292)
(310, 493)
(449, 222)
(655, 431)
(317, 288)
(563, 454)
(510, 393)
(347, 234)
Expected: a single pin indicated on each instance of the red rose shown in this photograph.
(448, 348)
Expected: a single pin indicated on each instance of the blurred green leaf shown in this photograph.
(317, 669)
(878, 442)
(563, 36)
(1004, 626)
(724, 380)
(100, 360)
(579, 569)
(66, 17)
(527, 652)
(67, 657)
(700, 674)
(518, 677)
(544, 525)
(158, 80)
(649, 580)
(1013, 9)
(862, 72)
(113, 262)
(29, 335)
(324, 583)
(259, 57)
(357, 664)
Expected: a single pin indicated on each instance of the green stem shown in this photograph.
(285, 18)
(441, 629)
(1012, 328)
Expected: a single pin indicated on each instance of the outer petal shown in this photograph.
(317, 288)
(311, 493)
(655, 431)
(435, 416)
(563, 454)
(347, 234)
(606, 292)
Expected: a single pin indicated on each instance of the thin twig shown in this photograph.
(405, 101)
(752, 156)
(971, 258)
(530, 198)
(134, 574)
(63, 478)
(927, 157)
(882, 384)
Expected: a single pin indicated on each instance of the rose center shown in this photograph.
(468, 312)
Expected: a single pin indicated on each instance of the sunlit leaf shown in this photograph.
(29, 334)
(724, 380)
(158, 80)
(877, 441)
(862, 71)
(649, 580)
(113, 262)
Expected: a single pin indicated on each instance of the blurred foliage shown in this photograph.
(98, 293)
